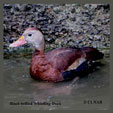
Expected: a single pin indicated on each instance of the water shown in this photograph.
(22, 92)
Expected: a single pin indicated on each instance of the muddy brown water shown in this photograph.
(22, 92)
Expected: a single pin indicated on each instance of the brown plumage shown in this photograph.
(57, 64)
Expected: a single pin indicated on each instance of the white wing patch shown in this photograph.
(77, 63)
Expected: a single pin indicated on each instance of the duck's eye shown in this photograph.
(29, 34)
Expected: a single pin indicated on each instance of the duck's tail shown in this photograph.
(81, 71)
(88, 66)
(92, 53)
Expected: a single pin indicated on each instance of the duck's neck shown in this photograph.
(39, 46)
(38, 52)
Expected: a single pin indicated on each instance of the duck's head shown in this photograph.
(31, 36)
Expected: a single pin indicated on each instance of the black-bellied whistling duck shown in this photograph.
(60, 64)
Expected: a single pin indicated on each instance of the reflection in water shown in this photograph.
(20, 87)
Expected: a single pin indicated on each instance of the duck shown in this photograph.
(60, 64)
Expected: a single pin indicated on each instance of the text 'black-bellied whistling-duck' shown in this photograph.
(60, 64)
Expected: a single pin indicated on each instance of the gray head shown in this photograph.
(31, 36)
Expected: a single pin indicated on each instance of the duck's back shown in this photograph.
(65, 58)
